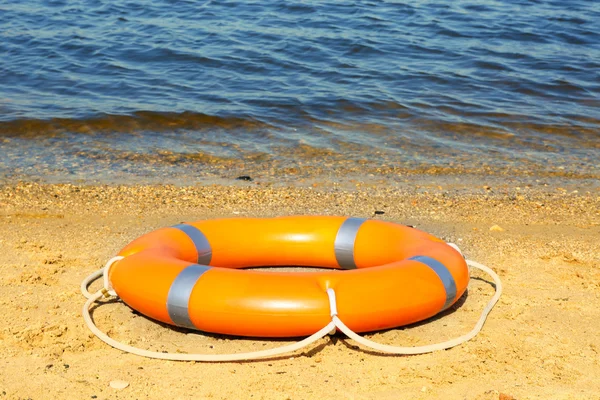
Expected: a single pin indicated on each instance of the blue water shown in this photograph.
(97, 90)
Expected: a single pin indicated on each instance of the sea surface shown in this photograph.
(185, 91)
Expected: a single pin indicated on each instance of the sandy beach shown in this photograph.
(540, 342)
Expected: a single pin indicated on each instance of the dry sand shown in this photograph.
(541, 341)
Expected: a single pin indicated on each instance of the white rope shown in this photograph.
(430, 347)
(330, 328)
(88, 281)
(97, 274)
(198, 357)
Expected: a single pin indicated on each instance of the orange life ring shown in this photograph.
(190, 275)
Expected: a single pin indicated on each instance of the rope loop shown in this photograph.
(330, 328)
(107, 290)
(106, 271)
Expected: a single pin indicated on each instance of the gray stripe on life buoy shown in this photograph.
(444, 274)
(344, 242)
(200, 241)
(179, 295)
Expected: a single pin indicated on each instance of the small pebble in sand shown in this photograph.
(497, 228)
(119, 385)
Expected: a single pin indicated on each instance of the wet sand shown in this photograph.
(541, 340)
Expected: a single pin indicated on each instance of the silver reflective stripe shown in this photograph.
(444, 274)
(179, 295)
(344, 242)
(200, 241)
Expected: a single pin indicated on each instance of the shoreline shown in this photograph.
(538, 342)
(225, 174)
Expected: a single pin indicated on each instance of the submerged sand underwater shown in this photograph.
(540, 341)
